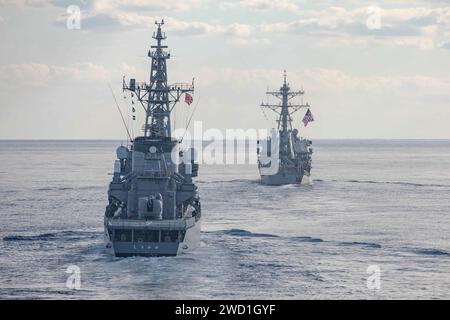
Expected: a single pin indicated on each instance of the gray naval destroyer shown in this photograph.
(284, 157)
(154, 207)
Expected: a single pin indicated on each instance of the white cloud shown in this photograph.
(336, 18)
(30, 73)
(424, 27)
(135, 20)
(85, 71)
(330, 81)
(317, 79)
(421, 27)
(269, 5)
(38, 74)
(205, 28)
(104, 6)
(26, 3)
(249, 41)
(340, 81)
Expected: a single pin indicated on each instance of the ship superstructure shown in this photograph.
(154, 206)
(285, 157)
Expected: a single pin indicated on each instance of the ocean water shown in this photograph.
(373, 203)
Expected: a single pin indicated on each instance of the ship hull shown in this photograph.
(283, 178)
(153, 249)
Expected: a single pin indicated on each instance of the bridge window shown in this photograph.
(122, 235)
(170, 236)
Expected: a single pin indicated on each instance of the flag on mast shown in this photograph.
(308, 117)
(188, 98)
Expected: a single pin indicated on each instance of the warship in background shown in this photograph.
(285, 157)
(154, 207)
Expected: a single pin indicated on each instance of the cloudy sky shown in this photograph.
(370, 69)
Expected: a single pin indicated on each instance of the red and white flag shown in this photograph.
(188, 98)
(308, 117)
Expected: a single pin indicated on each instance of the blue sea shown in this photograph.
(382, 204)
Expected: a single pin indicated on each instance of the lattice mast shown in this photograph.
(157, 97)
(285, 109)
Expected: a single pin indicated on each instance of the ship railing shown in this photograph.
(181, 86)
(144, 86)
(178, 224)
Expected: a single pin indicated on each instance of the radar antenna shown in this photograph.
(285, 109)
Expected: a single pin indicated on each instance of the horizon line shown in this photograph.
(313, 139)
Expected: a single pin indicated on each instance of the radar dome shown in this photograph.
(122, 152)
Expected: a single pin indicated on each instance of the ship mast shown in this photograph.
(157, 97)
(285, 109)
